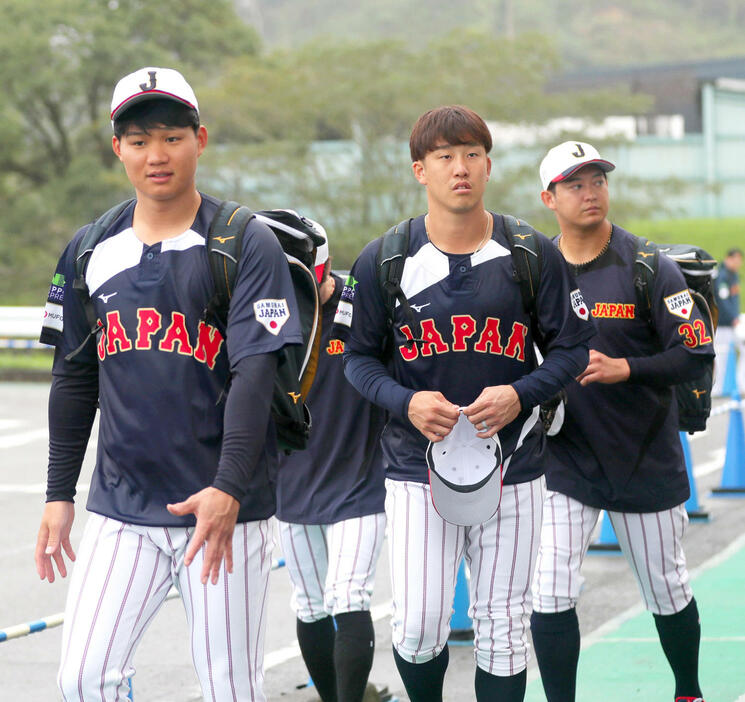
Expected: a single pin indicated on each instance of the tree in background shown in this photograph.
(325, 127)
(61, 59)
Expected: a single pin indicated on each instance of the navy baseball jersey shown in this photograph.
(162, 367)
(340, 475)
(476, 333)
(728, 303)
(619, 447)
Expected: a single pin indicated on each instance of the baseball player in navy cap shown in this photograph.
(463, 417)
(618, 448)
(183, 483)
(330, 503)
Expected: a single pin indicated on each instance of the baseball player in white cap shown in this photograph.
(618, 448)
(183, 486)
(466, 388)
(330, 506)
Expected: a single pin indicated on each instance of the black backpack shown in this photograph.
(693, 396)
(297, 364)
(526, 259)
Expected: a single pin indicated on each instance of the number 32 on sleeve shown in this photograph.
(694, 334)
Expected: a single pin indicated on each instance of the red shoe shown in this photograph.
(689, 699)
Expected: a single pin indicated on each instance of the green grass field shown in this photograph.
(714, 235)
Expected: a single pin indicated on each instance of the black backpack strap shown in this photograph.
(646, 263)
(528, 263)
(87, 243)
(394, 246)
(224, 246)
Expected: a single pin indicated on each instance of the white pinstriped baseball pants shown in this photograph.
(651, 542)
(332, 566)
(425, 553)
(120, 580)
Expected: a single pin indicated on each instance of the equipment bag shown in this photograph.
(298, 237)
(693, 396)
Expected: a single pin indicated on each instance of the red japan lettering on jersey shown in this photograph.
(209, 343)
(490, 340)
(463, 329)
(694, 334)
(149, 321)
(433, 341)
(177, 336)
(614, 310)
(335, 347)
(117, 334)
(114, 338)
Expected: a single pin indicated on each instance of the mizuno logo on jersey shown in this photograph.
(335, 347)
(419, 308)
(613, 310)
(150, 334)
(680, 304)
(578, 304)
(493, 337)
(106, 298)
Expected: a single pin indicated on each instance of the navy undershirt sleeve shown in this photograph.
(369, 376)
(559, 368)
(73, 399)
(670, 367)
(245, 423)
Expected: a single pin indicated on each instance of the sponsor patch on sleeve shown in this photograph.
(680, 304)
(57, 289)
(52, 317)
(272, 314)
(344, 309)
(578, 304)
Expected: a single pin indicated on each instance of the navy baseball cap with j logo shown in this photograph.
(465, 475)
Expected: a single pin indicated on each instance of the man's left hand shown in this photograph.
(604, 369)
(493, 409)
(216, 513)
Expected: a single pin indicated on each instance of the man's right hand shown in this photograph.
(54, 535)
(432, 414)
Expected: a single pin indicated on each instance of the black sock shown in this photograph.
(316, 640)
(556, 643)
(423, 681)
(490, 688)
(353, 654)
(680, 636)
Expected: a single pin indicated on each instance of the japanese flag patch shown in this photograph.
(680, 304)
(578, 304)
(272, 314)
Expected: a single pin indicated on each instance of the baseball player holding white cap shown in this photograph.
(330, 503)
(183, 484)
(618, 448)
(462, 403)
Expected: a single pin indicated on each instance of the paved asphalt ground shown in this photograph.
(621, 659)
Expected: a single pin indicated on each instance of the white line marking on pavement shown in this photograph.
(282, 655)
(597, 634)
(6, 424)
(711, 466)
(25, 437)
(656, 640)
(34, 489)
